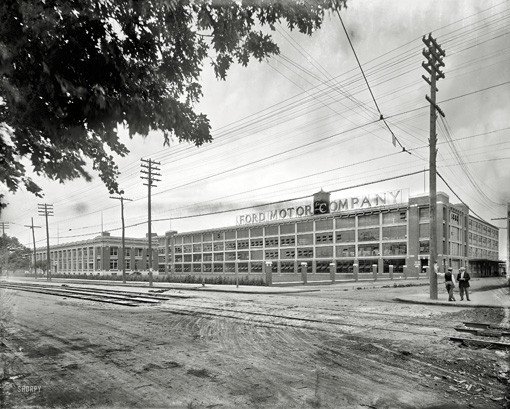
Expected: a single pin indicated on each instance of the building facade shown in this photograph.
(370, 239)
(101, 255)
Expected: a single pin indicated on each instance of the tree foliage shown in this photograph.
(71, 71)
(13, 255)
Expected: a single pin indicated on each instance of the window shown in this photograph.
(305, 239)
(288, 228)
(272, 230)
(304, 227)
(394, 249)
(230, 245)
(207, 268)
(217, 257)
(368, 220)
(398, 265)
(256, 267)
(322, 267)
(345, 236)
(256, 232)
(197, 248)
(321, 238)
(257, 242)
(324, 252)
(243, 244)
(230, 235)
(272, 242)
(344, 267)
(288, 241)
(345, 222)
(207, 237)
(305, 252)
(207, 257)
(218, 246)
(197, 258)
(218, 236)
(326, 224)
(394, 233)
(187, 248)
(243, 267)
(287, 267)
(114, 251)
(424, 214)
(365, 266)
(128, 265)
(368, 234)
(139, 252)
(230, 255)
(207, 247)
(230, 267)
(424, 247)
(271, 254)
(197, 268)
(242, 234)
(113, 265)
(345, 251)
(242, 255)
(287, 253)
(394, 217)
(424, 230)
(186, 239)
(256, 255)
(368, 250)
(197, 238)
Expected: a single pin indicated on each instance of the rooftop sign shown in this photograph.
(321, 207)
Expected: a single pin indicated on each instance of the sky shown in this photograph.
(304, 121)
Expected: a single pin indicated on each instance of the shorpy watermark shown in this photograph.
(29, 388)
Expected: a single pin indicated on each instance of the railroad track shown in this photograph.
(125, 298)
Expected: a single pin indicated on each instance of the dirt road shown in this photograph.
(332, 349)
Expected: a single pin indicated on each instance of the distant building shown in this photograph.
(101, 256)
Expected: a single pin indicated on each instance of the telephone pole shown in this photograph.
(46, 210)
(32, 227)
(5, 226)
(434, 55)
(149, 170)
(123, 252)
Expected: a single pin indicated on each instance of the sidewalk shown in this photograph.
(493, 298)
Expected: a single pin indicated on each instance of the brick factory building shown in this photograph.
(100, 256)
(362, 237)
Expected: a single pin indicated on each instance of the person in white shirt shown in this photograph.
(463, 279)
(449, 282)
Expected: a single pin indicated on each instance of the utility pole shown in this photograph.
(32, 227)
(123, 252)
(149, 170)
(46, 210)
(5, 226)
(434, 55)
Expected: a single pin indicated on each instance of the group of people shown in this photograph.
(463, 280)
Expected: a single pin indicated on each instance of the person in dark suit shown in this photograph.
(449, 281)
(463, 280)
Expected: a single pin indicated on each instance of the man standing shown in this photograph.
(449, 282)
(463, 279)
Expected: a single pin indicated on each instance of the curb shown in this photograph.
(448, 303)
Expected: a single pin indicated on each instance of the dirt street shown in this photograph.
(333, 349)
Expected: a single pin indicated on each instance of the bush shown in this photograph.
(164, 278)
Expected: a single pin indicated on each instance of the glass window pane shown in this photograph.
(368, 220)
(272, 230)
(345, 222)
(367, 250)
(394, 249)
(304, 227)
(287, 228)
(368, 234)
(326, 224)
(346, 236)
(305, 239)
(256, 232)
(345, 251)
(324, 252)
(242, 233)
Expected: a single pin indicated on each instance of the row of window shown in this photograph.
(481, 241)
(483, 229)
(388, 249)
(394, 217)
(347, 236)
(342, 267)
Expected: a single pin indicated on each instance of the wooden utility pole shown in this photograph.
(434, 55)
(32, 227)
(149, 170)
(46, 210)
(123, 252)
(5, 226)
